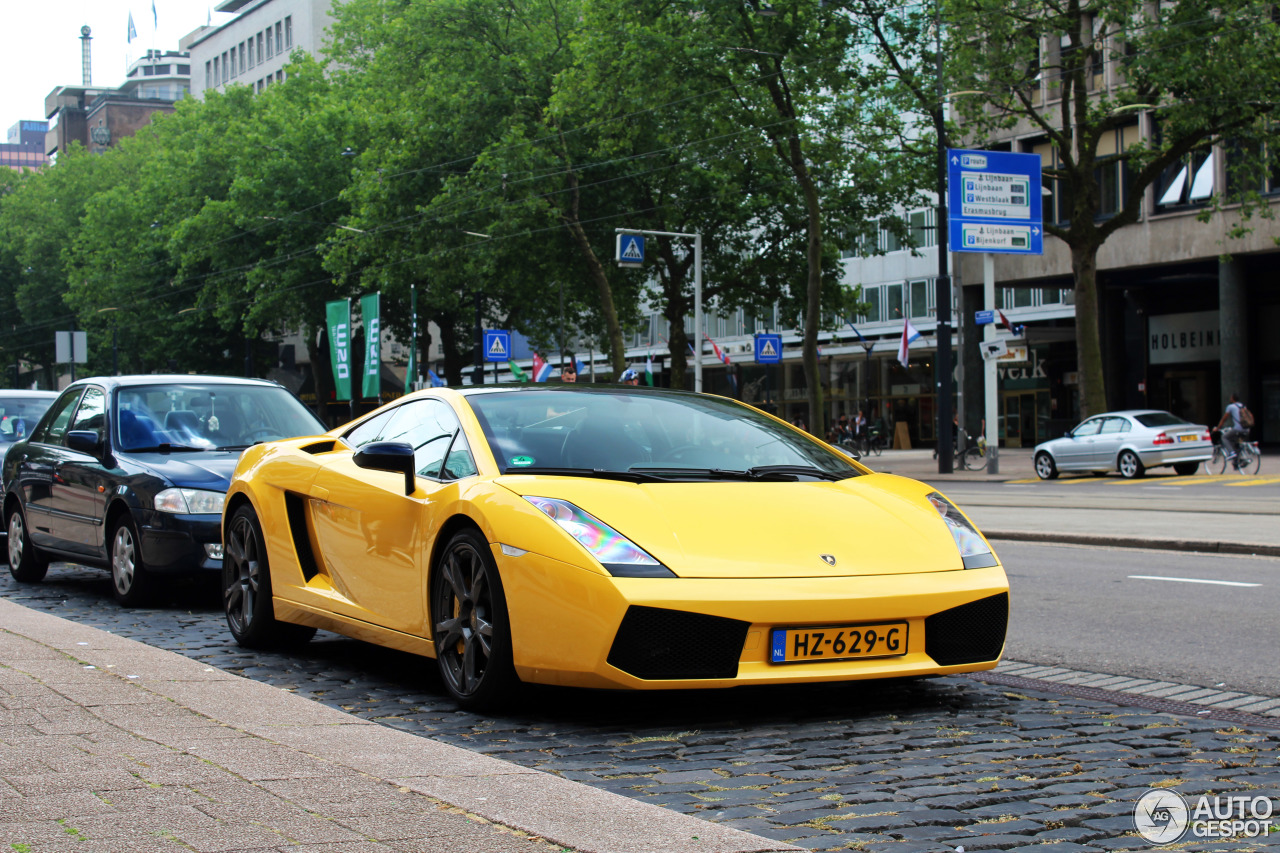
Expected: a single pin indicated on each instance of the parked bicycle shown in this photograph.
(1248, 458)
(974, 455)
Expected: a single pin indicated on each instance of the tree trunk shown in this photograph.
(454, 361)
(617, 351)
(1093, 391)
(321, 371)
(678, 346)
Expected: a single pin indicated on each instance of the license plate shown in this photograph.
(1188, 438)
(840, 642)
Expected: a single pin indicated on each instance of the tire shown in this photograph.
(1218, 464)
(1131, 467)
(1186, 469)
(131, 583)
(1045, 467)
(974, 460)
(470, 628)
(26, 564)
(246, 588)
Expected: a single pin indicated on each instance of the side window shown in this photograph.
(458, 463)
(369, 430)
(1114, 425)
(92, 411)
(54, 425)
(1089, 427)
(428, 426)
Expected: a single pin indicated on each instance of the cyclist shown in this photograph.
(1233, 433)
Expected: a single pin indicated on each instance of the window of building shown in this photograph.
(270, 53)
(1187, 182)
(242, 58)
(184, 69)
(892, 302)
(280, 76)
(921, 298)
(279, 37)
(873, 297)
(249, 46)
(1248, 171)
(226, 68)
(288, 32)
(217, 72)
(889, 240)
(922, 231)
(208, 75)
(234, 71)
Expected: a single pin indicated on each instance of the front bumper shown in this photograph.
(565, 624)
(176, 543)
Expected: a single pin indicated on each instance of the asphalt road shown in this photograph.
(1210, 620)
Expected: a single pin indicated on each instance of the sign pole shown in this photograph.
(992, 388)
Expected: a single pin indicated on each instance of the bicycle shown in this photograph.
(1248, 458)
(973, 457)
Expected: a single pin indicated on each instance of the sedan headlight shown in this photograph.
(974, 551)
(618, 554)
(190, 501)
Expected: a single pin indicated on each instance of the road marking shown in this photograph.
(1256, 481)
(1190, 580)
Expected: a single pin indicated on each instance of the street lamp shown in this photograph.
(115, 351)
(477, 376)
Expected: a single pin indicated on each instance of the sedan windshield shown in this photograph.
(660, 434)
(199, 416)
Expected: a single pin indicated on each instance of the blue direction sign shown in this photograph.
(630, 250)
(497, 345)
(994, 202)
(768, 349)
(983, 318)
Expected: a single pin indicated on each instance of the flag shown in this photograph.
(581, 365)
(1012, 329)
(541, 368)
(338, 315)
(411, 372)
(369, 305)
(909, 334)
(154, 20)
(133, 32)
(517, 372)
(648, 369)
(721, 355)
(436, 381)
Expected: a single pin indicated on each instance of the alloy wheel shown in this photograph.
(17, 538)
(464, 618)
(242, 575)
(124, 560)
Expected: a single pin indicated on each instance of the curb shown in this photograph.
(1204, 546)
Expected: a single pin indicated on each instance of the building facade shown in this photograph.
(254, 47)
(24, 146)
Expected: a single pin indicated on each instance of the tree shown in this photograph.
(1207, 72)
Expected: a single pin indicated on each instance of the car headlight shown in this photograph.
(618, 554)
(190, 501)
(974, 551)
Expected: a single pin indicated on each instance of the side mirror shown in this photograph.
(85, 441)
(393, 456)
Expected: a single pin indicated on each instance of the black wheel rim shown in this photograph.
(242, 574)
(464, 613)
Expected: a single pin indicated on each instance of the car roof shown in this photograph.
(27, 394)
(1132, 412)
(142, 379)
(568, 387)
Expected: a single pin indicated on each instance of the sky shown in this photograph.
(40, 44)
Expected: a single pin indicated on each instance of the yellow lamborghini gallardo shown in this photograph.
(611, 536)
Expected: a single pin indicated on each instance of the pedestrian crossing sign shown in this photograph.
(630, 250)
(497, 345)
(768, 349)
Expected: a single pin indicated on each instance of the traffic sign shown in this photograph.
(497, 345)
(768, 349)
(994, 202)
(630, 250)
(982, 318)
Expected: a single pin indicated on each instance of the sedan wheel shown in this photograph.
(469, 618)
(130, 581)
(26, 564)
(1045, 469)
(1131, 466)
(246, 588)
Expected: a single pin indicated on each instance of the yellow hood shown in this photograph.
(871, 525)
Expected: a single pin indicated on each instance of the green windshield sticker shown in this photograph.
(522, 460)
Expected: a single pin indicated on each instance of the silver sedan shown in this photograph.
(1129, 442)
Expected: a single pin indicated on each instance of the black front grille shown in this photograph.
(970, 633)
(653, 643)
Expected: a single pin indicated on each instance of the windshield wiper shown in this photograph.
(801, 471)
(165, 448)
(632, 476)
(760, 473)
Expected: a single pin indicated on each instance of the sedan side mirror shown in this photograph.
(85, 441)
(394, 456)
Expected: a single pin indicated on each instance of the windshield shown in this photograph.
(1159, 419)
(208, 416)
(18, 415)
(663, 431)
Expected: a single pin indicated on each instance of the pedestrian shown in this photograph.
(630, 377)
(569, 373)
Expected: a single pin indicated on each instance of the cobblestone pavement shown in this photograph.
(926, 766)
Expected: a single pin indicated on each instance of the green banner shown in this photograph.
(372, 346)
(339, 316)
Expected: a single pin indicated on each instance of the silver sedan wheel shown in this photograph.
(1045, 469)
(17, 538)
(1130, 465)
(124, 560)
